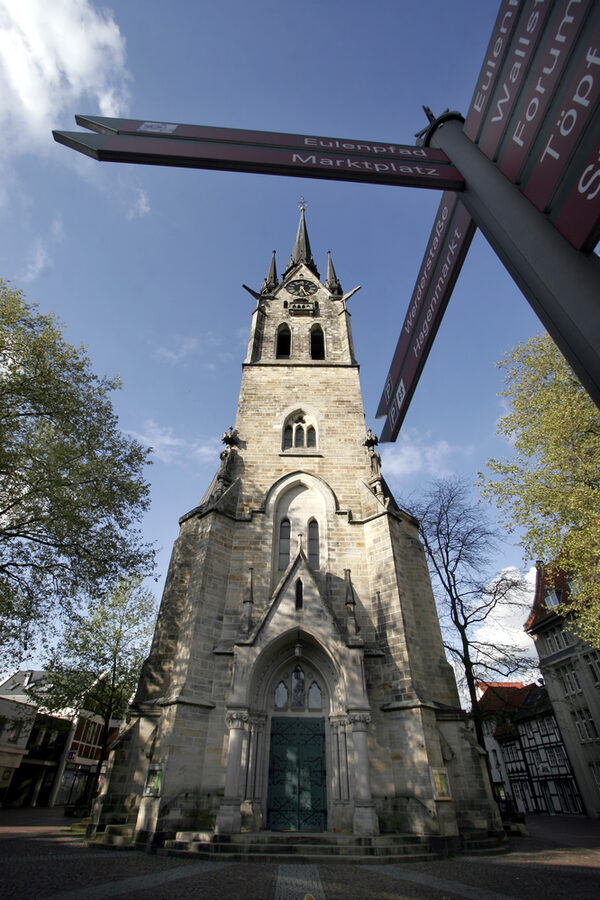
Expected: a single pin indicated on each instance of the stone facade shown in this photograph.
(298, 594)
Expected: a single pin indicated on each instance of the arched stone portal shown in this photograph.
(296, 761)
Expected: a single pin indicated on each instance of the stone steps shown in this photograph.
(484, 845)
(119, 837)
(297, 848)
(294, 859)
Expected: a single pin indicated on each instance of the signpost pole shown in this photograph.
(561, 284)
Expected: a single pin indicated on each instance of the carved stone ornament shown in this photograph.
(338, 722)
(359, 721)
(230, 438)
(236, 719)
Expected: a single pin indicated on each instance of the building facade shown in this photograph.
(530, 768)
(45, 760)
(571, 671)
(297, 679)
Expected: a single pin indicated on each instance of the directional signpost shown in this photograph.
(270, 153)
(533, 121)
(524, 167)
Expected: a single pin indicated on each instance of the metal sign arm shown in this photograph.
(561, 284)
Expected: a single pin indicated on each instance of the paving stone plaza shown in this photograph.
(41, 857)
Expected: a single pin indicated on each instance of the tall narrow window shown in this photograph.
(284, 342)
(284, 544)
(313, 544)
(288, 435)
(311, 437)
(297, 687)
(299, 442)
(317, 343)
(299, 595)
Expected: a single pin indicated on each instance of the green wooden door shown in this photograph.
(297, 799)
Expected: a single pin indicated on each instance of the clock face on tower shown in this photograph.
(301, 288)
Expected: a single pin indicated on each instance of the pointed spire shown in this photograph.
(302, 252)
(271, 281)
(332, 282)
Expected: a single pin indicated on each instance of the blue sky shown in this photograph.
(144, 265)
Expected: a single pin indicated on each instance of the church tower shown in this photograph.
(297, 679)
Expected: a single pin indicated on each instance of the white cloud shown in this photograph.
(166, 447)
(170, 449)
(139, 203)
(53, 56)
(207, 451)
(184, 348)
(206, 346)
(413, 455)
(40, 260)
(57, 58)
(505, 624)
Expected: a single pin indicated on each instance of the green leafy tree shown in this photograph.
(94, 668)
(549, 488)
(72, 488)
(460, 544)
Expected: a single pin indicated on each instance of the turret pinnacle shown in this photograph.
(271, 281)
(302, 252)
(332, 282)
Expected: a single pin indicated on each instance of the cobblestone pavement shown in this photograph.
(41, 858)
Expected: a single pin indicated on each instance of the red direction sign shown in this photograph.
(528, 32)
(380, 149)
(544, 130)
(338, 166)
(447, 246)
(555, 49)
(272, 153)
(578, 217)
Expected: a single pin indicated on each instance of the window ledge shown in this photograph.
(298, 451)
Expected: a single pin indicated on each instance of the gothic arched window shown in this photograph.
(299, 594)
(317, 343)
(315, 697)
(313, 544)
(298, 432)
(281, 696)
(298, 690)
(284, 342)
(284, 544)
(298, 687)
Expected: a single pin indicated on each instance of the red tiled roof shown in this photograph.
(539, 611)
(498, 696)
